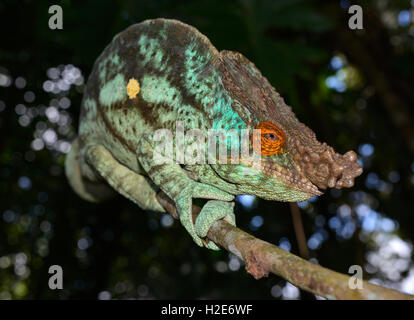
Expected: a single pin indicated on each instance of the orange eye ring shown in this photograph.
(271, 140)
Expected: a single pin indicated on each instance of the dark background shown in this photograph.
(354, 88)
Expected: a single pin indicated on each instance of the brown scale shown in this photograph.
(327, 168)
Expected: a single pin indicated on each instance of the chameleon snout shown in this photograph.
(328, 169)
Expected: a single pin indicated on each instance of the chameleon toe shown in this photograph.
(213, 210)
(184, 209)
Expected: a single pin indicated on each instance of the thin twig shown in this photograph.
(299, 231)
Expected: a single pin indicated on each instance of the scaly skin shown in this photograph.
(178, 75)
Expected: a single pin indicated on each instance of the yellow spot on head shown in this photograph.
(132, 88)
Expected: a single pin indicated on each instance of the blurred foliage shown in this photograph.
(343, 83)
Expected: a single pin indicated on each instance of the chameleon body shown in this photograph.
(161, 71)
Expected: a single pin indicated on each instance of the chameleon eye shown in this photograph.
(272, 139)
(271, 136)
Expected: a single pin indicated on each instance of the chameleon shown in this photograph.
(161, 71)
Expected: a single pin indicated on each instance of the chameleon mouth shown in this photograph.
(292, 178)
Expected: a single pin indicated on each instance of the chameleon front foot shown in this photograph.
(213, 210)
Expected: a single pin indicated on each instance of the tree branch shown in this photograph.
(262, 258)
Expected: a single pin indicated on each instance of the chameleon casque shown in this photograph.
(179, 75)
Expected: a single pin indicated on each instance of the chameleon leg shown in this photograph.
(176, 183)
(131, 185)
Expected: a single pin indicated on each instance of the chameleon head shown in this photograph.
(294, 165)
